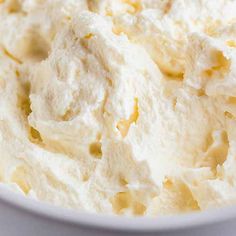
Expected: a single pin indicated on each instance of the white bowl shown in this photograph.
(20, 216)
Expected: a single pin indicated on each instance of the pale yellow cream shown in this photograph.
(119, 106)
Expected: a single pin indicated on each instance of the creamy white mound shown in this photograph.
(119, 106)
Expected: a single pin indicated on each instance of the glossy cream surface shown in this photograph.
(121, 107)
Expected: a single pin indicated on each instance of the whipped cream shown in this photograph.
(121, 107)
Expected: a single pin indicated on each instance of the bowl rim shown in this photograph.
(112, 222)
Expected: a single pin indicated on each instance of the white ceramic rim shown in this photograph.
(117, 223)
